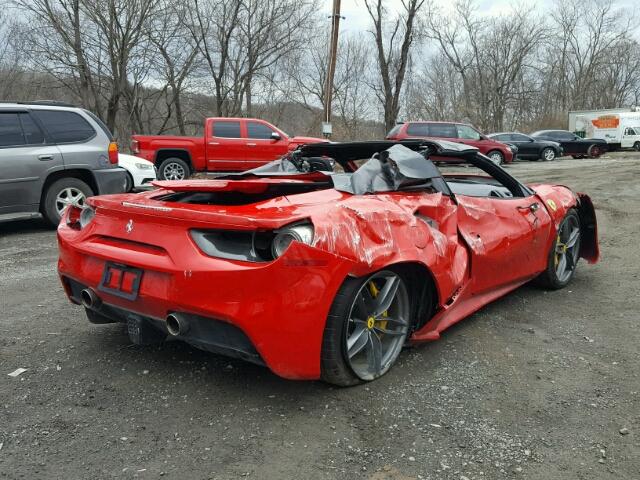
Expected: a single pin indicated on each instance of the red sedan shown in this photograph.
(317, 274)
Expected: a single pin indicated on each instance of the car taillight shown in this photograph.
(113, 153)
(135, 146)
(79, 217)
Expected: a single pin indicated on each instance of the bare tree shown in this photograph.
(89, 46)
(176, 57)
(591, 34)
(393, 41)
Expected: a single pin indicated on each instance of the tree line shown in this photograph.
(160, 66)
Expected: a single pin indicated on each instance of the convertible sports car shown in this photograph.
(321, 274)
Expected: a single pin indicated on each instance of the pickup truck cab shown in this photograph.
(228, 144)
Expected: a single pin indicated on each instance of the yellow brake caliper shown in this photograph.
(559, 245)
(371, 321)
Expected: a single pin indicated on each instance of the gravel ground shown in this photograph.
(538, 385)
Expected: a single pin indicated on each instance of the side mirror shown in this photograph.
(275, 136)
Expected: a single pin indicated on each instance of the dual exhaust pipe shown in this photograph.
(177, 325)
(90, 299)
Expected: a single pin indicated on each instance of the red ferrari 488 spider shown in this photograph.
(316, 273)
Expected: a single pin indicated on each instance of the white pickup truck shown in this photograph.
(619, 127)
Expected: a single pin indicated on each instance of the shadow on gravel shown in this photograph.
(196, 370)
(16, 227)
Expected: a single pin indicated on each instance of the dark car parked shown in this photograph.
(572, 144)
(530, 148)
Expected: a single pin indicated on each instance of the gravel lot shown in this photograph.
(538, 385)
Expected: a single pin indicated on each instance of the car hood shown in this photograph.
(130, 160)
(548, 143)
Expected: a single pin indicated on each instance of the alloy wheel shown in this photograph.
(496, 158)
(549, 154)
(378, 325)
(567, 249)
(69, 196)
(173, 171)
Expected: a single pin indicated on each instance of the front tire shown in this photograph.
(366, 328)
(128, 186)
(636, 146)
(548, 154)
(563, 255)
(62, 193)
(173, 169)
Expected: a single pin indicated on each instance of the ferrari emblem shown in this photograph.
(129, 226)
(552, 205)
(370, 322)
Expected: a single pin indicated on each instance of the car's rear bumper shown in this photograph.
(110, 180)
(280, 307)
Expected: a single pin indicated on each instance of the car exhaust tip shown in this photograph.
(177, 325)
(89, 298)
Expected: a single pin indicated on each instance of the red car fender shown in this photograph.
(558, 200)
(377, 238)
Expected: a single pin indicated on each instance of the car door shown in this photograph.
(527, 146)
(226, 147)
(508, 236)
(470, 136)
(25, 161)
(571, 143)
(77, 141)
(629, 137)
(264, 143)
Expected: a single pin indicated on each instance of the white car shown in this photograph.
(141, 172)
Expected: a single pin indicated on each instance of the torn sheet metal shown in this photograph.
(381, 230)
(387, 171)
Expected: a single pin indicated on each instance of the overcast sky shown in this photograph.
(357, 18)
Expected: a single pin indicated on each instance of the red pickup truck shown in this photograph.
(228, 144)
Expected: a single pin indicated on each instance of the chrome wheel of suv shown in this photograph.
(69, 196)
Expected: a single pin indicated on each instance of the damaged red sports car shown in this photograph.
(322, 274)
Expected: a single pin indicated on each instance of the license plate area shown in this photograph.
(120, 280)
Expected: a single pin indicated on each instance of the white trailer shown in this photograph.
(619, 127)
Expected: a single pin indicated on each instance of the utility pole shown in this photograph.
(331, 68)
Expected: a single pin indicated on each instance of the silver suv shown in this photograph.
(52, 156)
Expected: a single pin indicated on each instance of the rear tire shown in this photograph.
(548, 154)
(361, 342)
(174, 169)
(61, 193)
(565, 250)
(594, 151)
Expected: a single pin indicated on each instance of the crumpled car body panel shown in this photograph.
(474, 250)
